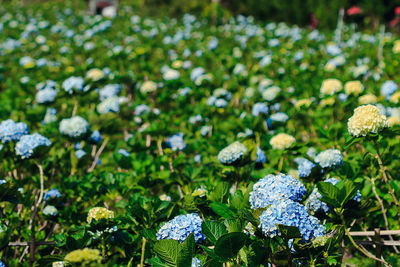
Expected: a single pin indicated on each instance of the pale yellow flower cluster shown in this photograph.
(353, 87)
(396, 47)
(366, 119)
(148, 87)
(95, 74)
(367, 99)
(282, 141)
(98, 213)
(331, 86)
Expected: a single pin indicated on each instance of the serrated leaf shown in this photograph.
(186, 252)
(167, 250)
(228, 245)
(289, 232)
(213, 230)
(222, 210)
(329, 193)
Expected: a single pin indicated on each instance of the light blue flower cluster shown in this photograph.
(388, 88)
(180, 227)
(290, 213)
(10, 130)
(50, 116)
(305, 167)
(50, 211)
(273, 188)
(2, 264)
(80, 153)
(330, 158)
(110, 104)
(232, 153)
(26, 145)
(123, 152)
(95, 137)
(74, 127)
(259, 108)
(46, 95)
(74, 83)
(51, 194)
(109, 90)
(195, 263)
(141, 109)
(314, 204)
(176, 142)
(261, 158)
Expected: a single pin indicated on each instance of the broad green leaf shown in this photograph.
(289, 232)
(186, 252)
(228, 245)
(222, 210)
(213, 230)
(329, 194)
(167, 250)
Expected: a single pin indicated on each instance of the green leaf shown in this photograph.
(289, 232)
(329, 194)
(351, 141)
(186, 252)
(347, 190)
(228, 245)
(156, 262)
(167, 250)
(213, 230)
(219, 193)
(222, 210)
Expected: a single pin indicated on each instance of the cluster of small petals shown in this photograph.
(176, 142)
(46, 95)
(110, 104)
(273, 188)
(290, 213)
(9, 130)
(148, 87)
(73, 83)
(353, 87)
(180, 227)
(259, 108)
(305, 167)
(261, 158)
(366, 119)
(331, 86)
(282, 141)
(330, 158)
(26, 145)
(52, 193)
(99, 213)
(50, 211)
(367, 99)
(74, 127)
(232, 153)
(83, 255)
(196, 263)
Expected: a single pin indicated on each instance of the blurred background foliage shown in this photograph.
(298, 12)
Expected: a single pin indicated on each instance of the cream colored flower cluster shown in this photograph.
(331, 86)
(98, 213)
(366, 119)
(282, 141)
(353, 87)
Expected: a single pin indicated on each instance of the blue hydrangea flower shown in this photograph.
(74, 127)
(3, 182)
(259, 108)
(96, 137)
(388, 88)
(220, 103)
(290, 213)
(2, 264)
(123, 152)
(314, 204)
(52, 193)
(50, 211)
(195, 263)
(74, 83)
(232, 153)
(110, 104)
(277, 118)
(9, 130)
(110, 90)
(26, 145)
(50, 116)
(197, 158)
(180, 227)
(330, 158)
(176, 142)
(80, 153)
(196, 73)
(261, 158)
(141, 109)
(276, 188)
(46, 95)
(305, 167)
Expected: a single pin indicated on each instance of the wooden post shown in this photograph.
(378, 246)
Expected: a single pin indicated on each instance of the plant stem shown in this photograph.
(143, 250)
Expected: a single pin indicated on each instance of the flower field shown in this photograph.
(152, 141)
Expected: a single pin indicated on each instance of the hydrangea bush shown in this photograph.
(152, 141)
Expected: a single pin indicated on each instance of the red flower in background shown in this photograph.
(354, 10)
(397, 10)
(394, 22)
